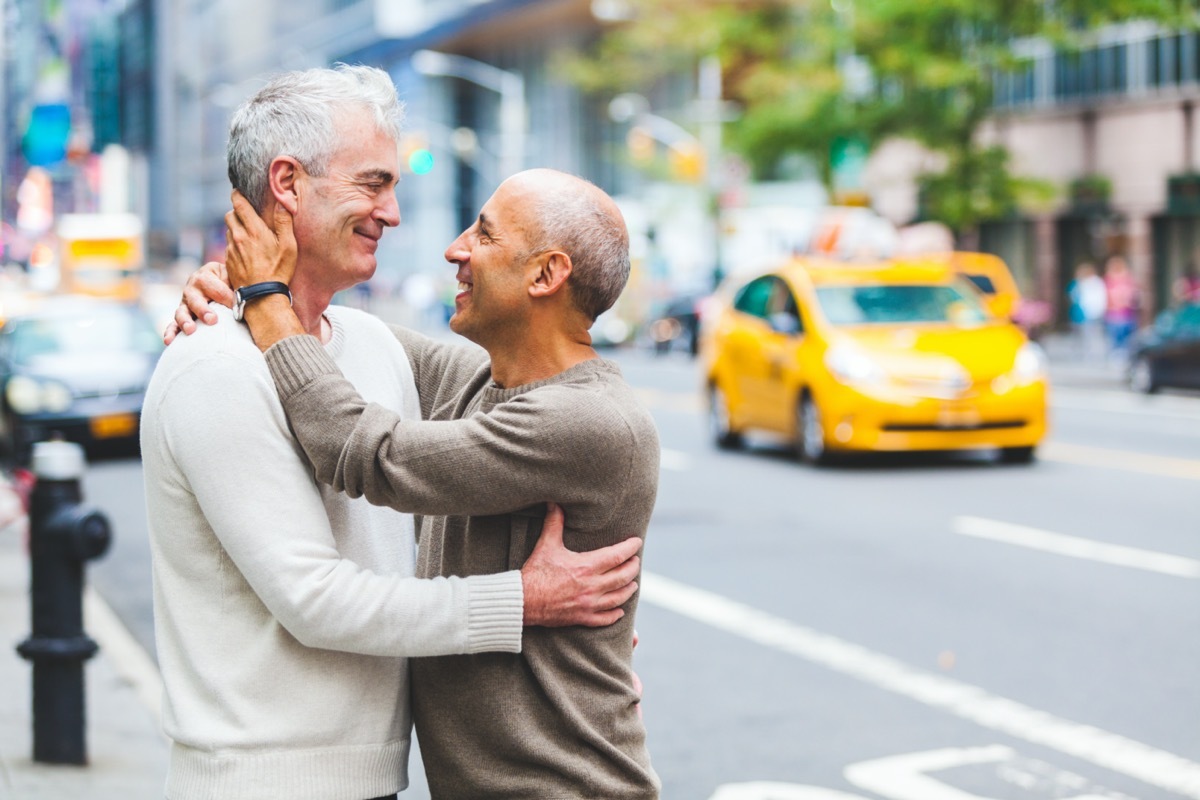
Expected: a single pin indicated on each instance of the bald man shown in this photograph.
(536, 415)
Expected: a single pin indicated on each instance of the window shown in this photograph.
(865, 305)
(754, 296)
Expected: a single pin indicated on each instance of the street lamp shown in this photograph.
(509, 85)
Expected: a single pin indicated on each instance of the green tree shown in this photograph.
(807, 73)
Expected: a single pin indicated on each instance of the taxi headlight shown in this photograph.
(1030, 364)
(852, 365)
(56, 398)
(24, 395)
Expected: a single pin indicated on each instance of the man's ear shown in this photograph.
(282, 178)
(552, 270)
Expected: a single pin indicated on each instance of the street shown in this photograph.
(907, 628)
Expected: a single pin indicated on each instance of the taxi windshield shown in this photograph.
(900, 303)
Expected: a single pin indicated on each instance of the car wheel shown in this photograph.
(720, 426)
(810, 432)
(1141, 376)
(1016, 455)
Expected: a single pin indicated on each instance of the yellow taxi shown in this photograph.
(883, 356)
(992, 277)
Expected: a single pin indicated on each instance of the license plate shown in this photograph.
(958, 417)
(114, 426)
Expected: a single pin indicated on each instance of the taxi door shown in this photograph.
(781, 358)
(745, 346)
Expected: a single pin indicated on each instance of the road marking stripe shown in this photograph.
(1163, 466)
(1076, 547)
(903, 777)
(1108, 750)
(128, 656)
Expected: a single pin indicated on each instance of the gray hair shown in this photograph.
(579, 221)
(295, 115)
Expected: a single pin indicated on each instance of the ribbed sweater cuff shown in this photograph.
(495, 613)
(297, 361)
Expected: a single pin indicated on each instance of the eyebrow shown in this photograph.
(377, 174)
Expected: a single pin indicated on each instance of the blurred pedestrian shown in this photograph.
(283, 610)
(1186, 289)
(1120, 316)
(1089, 301)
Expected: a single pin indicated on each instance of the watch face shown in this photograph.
(239, 305)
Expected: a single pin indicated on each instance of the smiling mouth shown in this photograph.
(464, 287)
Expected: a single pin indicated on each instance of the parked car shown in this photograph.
(884, 356)
(677, 323)
(1168, 354)
(75, 367)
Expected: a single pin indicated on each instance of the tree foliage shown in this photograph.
(929, 66)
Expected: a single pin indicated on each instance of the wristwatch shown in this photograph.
(254, 291)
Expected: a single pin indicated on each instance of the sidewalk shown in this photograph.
(127, 752)
(1067, 368)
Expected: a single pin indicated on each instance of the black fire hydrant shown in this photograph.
(64, 533)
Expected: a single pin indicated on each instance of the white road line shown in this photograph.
(1163, 466)
(128, 656)
(1073, 546)
(902, 777)
(674, 460)
(1108, 750)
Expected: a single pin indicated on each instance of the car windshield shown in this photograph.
(95, 331)
(900, 303)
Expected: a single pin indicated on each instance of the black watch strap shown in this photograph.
(256, 290)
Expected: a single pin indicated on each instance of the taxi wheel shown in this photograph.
(720, 427)
(810, 433)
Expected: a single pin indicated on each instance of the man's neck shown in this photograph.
(536, 359)
(310, 304)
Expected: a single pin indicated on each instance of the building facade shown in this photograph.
(1114, 125)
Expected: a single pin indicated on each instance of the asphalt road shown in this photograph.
(916, 628)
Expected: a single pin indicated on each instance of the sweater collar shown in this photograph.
(591, 369)
(337, 339)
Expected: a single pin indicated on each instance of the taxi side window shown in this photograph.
(782, 311)
(754, 297)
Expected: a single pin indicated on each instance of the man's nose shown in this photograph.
(388, 212)
(458, 251)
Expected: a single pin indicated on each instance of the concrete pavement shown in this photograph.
(127, 751)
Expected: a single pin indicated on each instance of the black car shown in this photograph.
(678, 323)
(1168, 354)
(75, 367)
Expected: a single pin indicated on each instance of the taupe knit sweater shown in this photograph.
(558, 720)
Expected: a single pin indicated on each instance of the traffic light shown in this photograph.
(687, 161)
(420, 161)
(415, 155)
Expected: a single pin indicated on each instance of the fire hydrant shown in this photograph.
(64, 533)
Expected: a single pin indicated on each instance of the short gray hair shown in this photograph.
(581, 225)
(295, 115)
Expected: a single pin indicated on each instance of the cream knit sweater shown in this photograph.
(283, 610)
